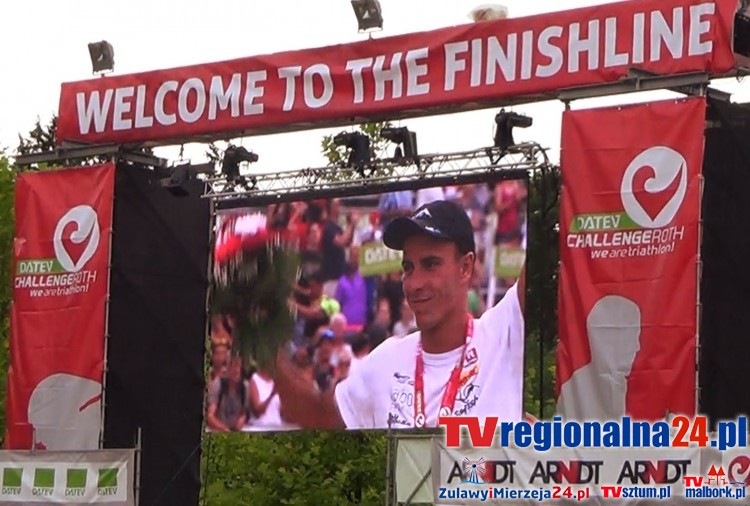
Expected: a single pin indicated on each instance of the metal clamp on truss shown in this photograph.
(389, 174)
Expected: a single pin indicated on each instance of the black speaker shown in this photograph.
(725, 278)
(156, 332)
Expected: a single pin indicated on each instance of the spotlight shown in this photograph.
(102, 56)
(488, 12)
(233, 156)
(369, 14)
(505, 122)
(405, 138)
(358, 145)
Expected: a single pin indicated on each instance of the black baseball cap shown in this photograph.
(442, 219)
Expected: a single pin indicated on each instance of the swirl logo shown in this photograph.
(739, 470)
(654, 186)
(86, 224)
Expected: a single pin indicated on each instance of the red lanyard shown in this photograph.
(451, 389)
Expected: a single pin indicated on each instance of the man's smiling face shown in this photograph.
(435, 279)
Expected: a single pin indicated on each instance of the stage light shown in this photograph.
(488, 12)
(181, 174)
(358, 144)
(369, 14)
(233, 156)
(504, 124)
(403, 137)
(102, 56)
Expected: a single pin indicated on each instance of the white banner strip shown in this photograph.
(90, 477)
(617, 476)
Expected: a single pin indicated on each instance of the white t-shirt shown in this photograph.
(271, 419)
(381, 389)
(401, 329)
(344, 350)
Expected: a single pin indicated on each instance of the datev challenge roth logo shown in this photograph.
(75, 241)
(652, 190)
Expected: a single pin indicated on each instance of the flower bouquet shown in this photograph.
(255, 270)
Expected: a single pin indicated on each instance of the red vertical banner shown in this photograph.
(629, 252)
(60, 281)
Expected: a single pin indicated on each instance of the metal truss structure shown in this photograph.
(82, 153)
(484, 164)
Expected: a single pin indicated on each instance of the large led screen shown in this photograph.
(369, 312)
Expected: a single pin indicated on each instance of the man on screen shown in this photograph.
(453, 365)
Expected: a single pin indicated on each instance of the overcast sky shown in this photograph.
(44, 43)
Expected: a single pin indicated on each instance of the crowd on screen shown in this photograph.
(342, 315)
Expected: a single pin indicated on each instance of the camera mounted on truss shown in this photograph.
(505, 121)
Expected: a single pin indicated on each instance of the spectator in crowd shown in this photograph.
(323, 371)
(219, 360)
(367, 230)
(383, 313)
(475, 209)
(221, 332)
(352, 291)
(228, 400)
(290, 216)
(407, 323)
(315, 308)
(394, 204)
(311, 259)
(265, 404)
(344, 365)
(392, 290)
(507, 206)
(452, 193)
(338, 338)
(262, 393)
(279, 215)
(334, 244)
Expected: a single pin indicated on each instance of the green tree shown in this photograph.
(7, 180)
(41, 138)
(541, 281)
(300, 468)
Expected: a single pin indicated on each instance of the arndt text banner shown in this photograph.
(585, 476)
(60, 279)
(456, 68)
(73, 478)
(629, 250)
